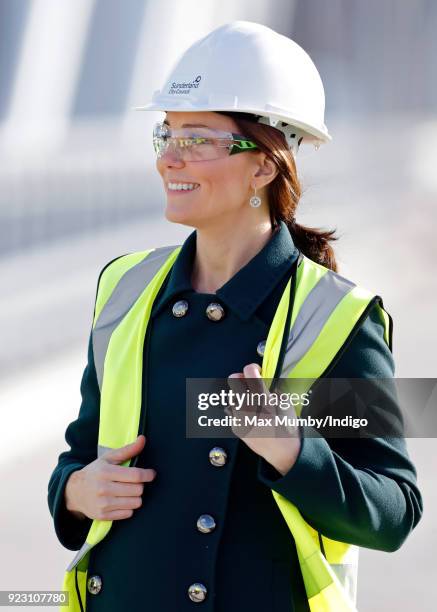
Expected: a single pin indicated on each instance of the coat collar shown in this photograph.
(248, 288)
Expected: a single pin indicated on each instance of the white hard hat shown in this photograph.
(247, 67)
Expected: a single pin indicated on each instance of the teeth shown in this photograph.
(182, 186)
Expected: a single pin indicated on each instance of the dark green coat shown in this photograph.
(359, 491)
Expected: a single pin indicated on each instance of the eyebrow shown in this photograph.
(190, 124)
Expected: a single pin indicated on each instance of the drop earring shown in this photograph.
(255, 200)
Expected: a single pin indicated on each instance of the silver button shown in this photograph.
(180, 308)
(215, 311)
(206, 523)
(94, 584)
(218, 456)
(197, 592)
(261, 348)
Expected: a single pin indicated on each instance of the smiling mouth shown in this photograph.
(179, 190)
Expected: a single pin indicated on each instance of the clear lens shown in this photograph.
(192, 144)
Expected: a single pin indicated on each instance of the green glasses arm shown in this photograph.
(240, 145)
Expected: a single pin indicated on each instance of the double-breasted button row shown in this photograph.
(214, 311)
(206, 524)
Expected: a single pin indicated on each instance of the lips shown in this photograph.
(181, 190)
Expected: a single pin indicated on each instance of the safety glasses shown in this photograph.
(198, 144)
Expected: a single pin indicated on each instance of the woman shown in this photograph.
(163, 521)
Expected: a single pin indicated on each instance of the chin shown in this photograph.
(181, 216)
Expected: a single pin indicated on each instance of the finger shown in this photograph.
(255, 383)
(119, 455)
(116, 515)
(119, 473)
(123, 489)
(253, 370)
(258, 393)
(237, 384)
(122, 503)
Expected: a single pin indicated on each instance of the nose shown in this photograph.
(171, 158)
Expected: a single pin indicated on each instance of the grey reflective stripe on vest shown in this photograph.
(79, 555)
(102, 449)
(125, 294)
(312, 316)
(347, 574)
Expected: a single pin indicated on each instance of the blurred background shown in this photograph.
(78, 187)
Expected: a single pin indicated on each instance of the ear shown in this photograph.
(267, 169)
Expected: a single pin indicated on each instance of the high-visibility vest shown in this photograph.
(326, 311)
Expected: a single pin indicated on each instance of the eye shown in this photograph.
(196, 140)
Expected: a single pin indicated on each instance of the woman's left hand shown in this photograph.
(281, 452)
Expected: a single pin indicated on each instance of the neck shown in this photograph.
(222, 252)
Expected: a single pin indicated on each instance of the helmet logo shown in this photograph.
(185, 86)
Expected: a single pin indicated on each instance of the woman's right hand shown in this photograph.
(106, 491)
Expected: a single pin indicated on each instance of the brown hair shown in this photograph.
(285, 190)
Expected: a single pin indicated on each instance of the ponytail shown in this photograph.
(314, 243)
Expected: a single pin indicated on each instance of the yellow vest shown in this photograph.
(327, 308)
